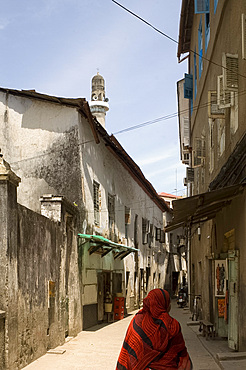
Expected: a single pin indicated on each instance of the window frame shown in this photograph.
(96, 202)
(200, 48)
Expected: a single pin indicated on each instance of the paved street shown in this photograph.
(98, 347)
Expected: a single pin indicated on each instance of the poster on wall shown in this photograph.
(221, 307)
(220, 278)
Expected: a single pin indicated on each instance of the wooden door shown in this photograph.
(233, 300)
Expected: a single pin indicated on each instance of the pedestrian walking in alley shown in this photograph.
(154, 340)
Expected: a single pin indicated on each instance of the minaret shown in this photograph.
(98, 104)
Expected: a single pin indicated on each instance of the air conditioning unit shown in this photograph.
(225, 98)
(214, 110)
(198, 157)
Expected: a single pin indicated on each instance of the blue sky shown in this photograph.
(56, 46)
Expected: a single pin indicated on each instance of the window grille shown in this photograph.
(96, 187)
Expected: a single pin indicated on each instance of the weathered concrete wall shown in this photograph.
(41, 144)
(39, 281)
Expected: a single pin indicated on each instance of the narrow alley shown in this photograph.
(99, 346)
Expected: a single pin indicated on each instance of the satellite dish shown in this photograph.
(106, 99)
(95, 97)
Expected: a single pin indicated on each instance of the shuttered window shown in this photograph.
(186, 131)
(96, 187)
(144, 231)
(230, 71)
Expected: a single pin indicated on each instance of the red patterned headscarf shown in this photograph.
(154, 339)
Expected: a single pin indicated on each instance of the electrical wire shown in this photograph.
(172, 39)
(131, 128)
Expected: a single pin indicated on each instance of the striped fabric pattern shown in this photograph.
(154, 339)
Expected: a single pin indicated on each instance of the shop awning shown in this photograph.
(202, 207)
(102, 246)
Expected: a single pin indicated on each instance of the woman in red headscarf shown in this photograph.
(154, 339)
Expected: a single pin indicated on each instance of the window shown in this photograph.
(96, 187)
(157, 233)
(230, 71)
(201, 6)
(144, 231)
(127, 221)
(207, 30)
(211, 145)
(195, 75)
(200, 47)
(199, 152)
(215, 5)
(188, 86)
(111, 213)
(186, 131)
(220, 123)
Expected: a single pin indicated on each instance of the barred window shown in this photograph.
(96, 187)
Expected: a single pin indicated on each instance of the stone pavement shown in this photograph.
(99, 347)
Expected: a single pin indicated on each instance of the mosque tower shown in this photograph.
(98, 104)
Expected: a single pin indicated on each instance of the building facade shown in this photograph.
(176, 251)
(86, 216)
(212, 37)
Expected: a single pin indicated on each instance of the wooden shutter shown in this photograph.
(230, 71)
(186, 130)
(225, 98)
(243, 36)
(199, 152)
(214, 111)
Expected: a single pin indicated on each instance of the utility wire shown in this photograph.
(131, 128)
(143, 20)
(172, 39)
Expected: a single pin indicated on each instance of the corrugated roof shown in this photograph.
(202, 207)
(169, 195)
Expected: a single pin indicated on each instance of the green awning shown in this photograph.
(102, 246)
